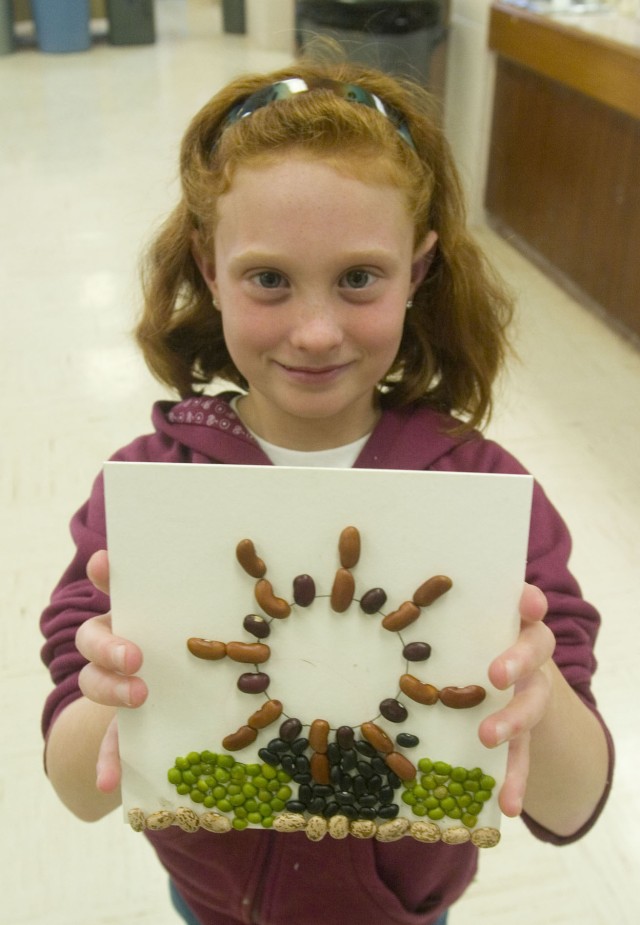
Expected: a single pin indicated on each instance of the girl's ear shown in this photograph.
(204, 262)
(422, 260)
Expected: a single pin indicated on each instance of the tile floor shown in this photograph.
(87, 166)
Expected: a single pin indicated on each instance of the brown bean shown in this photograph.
(267, 714)
(250, 562)
(399, 619)
(430, 590)
(320, 770)
(417, 690)
(377, 737)
(207, 648)
(344, 586)
(240, 739)
(461, 698)
(319, 735)
(349, 547)
(400, 766)
(273, 606)
(252, 653)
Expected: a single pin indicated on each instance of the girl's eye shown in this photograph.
(357, 279)
(269, 279)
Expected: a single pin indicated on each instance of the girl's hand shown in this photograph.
(526, 667)
(109, 678)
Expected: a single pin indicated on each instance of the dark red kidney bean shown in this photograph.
(345, 737)
(417, 651)
(256, 625)
(290, 729)
(253, 682)
(304, 590)
(393, 710)
(373, 601)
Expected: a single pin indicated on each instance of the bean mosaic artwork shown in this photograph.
(308, 776)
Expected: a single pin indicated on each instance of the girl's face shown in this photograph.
(312, 272)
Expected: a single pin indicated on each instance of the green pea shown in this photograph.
(428, 781)
(175, 776)
(448, 804)
(432, 803)
(183, 789)
(240, 812)
(267, 822)
(436, 814)
(221, 775)
(208, 757)
(196, 769)
(237, 799)
(441, 778)
(283, 777)
(475, 774)
(264, 795)
(260, 782)
(209, 801)
(219, 792)
(273, 785)
(464, 800)
(239, 824)
(456, 789)
(249, 790)
(474, 808)
(202, 786)
(419, 809)
(441, 767)
(471, 786)
(237, 772)
(234, 789)
(197, 796)
(277, 805)
(269, 772)
(254, 818)
(182, 763)
(419, 792)
(409, 798)
(189, 777)
(253, 770)
(459, 774)
(469, 820)
(487, 782)
(193, 757)
(251, 805)
(264, 809)
(455, 813)
(425, 765)
(226, 761)
(483, 795)
(224, 806)
(441, 793)
(284, 793)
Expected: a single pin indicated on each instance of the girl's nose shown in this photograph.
(317, 330)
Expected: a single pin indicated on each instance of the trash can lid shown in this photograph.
(374, 16)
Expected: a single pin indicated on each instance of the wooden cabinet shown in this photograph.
(564, 163)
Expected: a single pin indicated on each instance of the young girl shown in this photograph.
(318, 260)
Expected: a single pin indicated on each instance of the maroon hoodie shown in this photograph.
(273, 879)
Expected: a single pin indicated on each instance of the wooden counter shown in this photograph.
(564, 163)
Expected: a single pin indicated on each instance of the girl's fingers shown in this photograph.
(522, 713)
(111, 689)
(533, 604)
(108, 770)
(98, 570)
(512, 792)
(534, 647)
(96, 642)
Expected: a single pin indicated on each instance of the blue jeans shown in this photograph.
(186, 913)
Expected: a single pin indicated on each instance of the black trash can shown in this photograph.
(233, 16)
(399, 38)
(131, 22)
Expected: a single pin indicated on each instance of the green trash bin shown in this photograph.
(6, 27)
(233, 16)
(62, 25)
(131, 22)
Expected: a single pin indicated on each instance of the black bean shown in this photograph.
(349, 811)
(365, 769)
(317, 806)
(349, 760)
(335, 775)
(366, 749)
(331, 809)
(278, 746)
(386, 794)
(379, 765)
(302, 764)
(389, 812)
(368, 799)
(393, 710)
(394, 780)
(366, 813)
(301, 778)
(322, 790)
(288, 765)
(407, 740)
(334, 753)
(346, 781)
(269, 757)
(290, 729)
(374, 784)
(295, 806)
(305, 793)
(299, 746)
(343, 797)
(359, 786)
